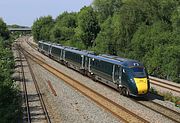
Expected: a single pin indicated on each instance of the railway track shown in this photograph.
(32, 45)
(45, 112)
(165, 84)
(119, 111)
(158, 108)
(23, 80)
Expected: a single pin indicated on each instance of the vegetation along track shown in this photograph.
(23, 80)
(167, 112)
(37, 89)
(153, 80)
(116, 109)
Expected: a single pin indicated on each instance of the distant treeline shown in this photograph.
(16, 26)
(145, 30)
(10, 99)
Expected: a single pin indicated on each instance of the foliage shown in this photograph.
(170, 97)
(88, 26)
(41, 28)
(166, 96)
(145, 30)
(103, 42)
(175, 19)
(67, 20)
(106, 8)
(64, 28)
(10, 101)
(4, 33)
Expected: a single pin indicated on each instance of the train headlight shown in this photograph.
(132, 80)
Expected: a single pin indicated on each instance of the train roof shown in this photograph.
(115, 57)
(58, 46)
(71, 49)
(117, 60)
(104, 57)
(40, 41)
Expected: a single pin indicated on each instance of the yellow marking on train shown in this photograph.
(142, 85)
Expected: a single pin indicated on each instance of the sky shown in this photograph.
(25, 12)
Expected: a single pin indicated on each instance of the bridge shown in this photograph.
(19, 29)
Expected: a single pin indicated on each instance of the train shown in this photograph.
(128, 76)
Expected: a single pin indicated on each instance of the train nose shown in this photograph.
(142, 85)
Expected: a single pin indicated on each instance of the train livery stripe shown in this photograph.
(142, 85)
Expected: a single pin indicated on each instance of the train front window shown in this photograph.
(138, 72)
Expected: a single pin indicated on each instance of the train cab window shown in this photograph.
(138, 72)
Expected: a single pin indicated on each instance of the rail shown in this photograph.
(38, 90)
(165, 84)
(158, 108)
(24, 88)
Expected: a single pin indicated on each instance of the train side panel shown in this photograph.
(74, 60)
(57, 52)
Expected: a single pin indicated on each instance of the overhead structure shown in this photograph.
(19, 29)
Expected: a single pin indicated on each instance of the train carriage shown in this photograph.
(128, 76)
(75, 58)
(56, 52)
(40, 46)
(46, 48)
(105, 70)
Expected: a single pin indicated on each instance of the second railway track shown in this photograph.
(158, 108)
(25, 94)
(25, 88)
(168, 85)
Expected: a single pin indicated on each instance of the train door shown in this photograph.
(61, 54)
(117, 74)
(49, 52)
(86, 63)
(82, 62)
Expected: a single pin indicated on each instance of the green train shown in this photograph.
(128, 76)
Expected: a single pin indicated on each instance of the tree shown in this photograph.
(60, 34)
(163, 62)
(106, 8)
(88, 26)
(146, 30)
(4, 33)
(41, 28)
(147, 38)
(175, 19)
(10, 99)
(67, 20)
(64, 28)
(103, 42)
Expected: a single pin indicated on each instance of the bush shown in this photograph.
(10, 99)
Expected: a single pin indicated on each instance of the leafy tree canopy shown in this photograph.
(88, 26)
(146, 30)
(106, 8)
(41, 28)
(4, 33)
